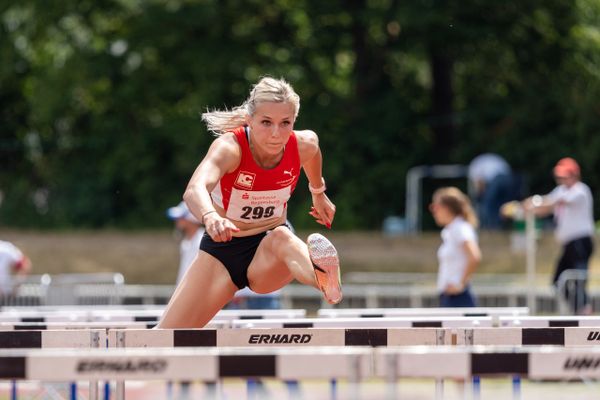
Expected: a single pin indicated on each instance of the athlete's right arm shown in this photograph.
(223, 156)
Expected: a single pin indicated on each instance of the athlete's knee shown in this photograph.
(281, 235)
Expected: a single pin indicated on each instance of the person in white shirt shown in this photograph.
(572, 204)
(191, 230)
(492, 181)
(12, 261)
(459, 255)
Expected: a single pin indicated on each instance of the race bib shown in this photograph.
(252, 206)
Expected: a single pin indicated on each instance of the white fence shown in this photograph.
(361, 290)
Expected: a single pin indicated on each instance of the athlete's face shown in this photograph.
(271, 126)
(441, 214)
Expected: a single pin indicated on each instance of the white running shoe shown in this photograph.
(327, 267)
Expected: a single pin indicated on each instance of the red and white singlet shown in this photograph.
(251, 193)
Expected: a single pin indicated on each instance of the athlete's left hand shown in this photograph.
(323, 210)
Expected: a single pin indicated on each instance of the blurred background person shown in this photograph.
(459, 255)
(572, 204)
(191, 232)
(491, 179)
(14, 264)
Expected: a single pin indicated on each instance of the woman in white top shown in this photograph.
(459, 254)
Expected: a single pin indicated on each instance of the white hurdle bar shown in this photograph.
(86, 338)
(186, 364)
(375, 337)
(352, 363)
(35, 326)
(550, 321)
(459, 362)
(386, 322)
(288, 337)
(570, 336)
(54, 339)
(422, 312)
(76, 314)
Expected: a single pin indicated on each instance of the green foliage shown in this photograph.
(100, 101)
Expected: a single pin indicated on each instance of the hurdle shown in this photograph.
(287, 337)
(35, 326)
(550, 321)
(54, 339)
(77, 314)
(424, 312)
(386, 322)
(568, 336)
(351, 363)
(538, 363)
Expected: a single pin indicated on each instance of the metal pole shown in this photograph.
(530, 250)
(95, 343)
(120, 389)
(355, 376)
(391, 376)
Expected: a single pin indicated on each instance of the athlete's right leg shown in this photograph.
(204, 290)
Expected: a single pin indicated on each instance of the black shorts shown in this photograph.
(576, 255)
(236, 255)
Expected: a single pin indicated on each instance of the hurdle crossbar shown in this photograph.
(424, 312)
(353, 363)
(289, 337)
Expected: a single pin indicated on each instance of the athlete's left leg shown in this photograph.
(282, 256)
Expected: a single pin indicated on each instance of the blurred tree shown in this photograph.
(101, 100)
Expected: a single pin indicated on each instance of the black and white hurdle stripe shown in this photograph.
(570, 336)
(38, 339)
(289, 337)
(185, 364)
(378, 322)
(352, 363)
(375, 337)
(422, 312)
(549, 321)
(81, 315)
(34, 326)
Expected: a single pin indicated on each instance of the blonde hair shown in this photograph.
(457, 202)
(266, 90)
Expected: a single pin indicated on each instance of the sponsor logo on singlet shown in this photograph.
(279, 338)
(245, 179)
(289, 177)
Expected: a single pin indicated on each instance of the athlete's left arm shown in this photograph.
(311, 160)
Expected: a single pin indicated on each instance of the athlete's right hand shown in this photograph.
(218, 228)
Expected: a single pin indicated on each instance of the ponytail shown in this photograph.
(266, 90)
(458, 203)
